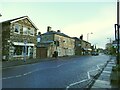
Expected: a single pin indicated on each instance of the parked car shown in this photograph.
(94, 53)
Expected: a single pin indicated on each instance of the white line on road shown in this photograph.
(19, 76)
(88, 75)
(72, 84)
(35, 71)
(98, 66)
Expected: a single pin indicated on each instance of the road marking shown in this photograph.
(9, 77)
(72, 84)
(88, 75)
(98, 67)
(35, 71)
(18, 76)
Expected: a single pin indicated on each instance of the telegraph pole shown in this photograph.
(115, 74)
(118, 32)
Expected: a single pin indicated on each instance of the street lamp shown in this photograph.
(88, 36)
(110, 40)
(118, 26)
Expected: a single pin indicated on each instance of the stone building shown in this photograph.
(19, 38)
(53, 41)
(86, 47)
(78, 50)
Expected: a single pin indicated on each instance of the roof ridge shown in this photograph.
(14, 18)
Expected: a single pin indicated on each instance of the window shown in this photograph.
(18, 50)
(25, 31)
(31, 31)
(17, 28)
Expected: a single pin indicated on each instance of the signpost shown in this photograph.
(25, 50)
(118, 32)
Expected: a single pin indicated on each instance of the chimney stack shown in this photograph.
(81, 37)
(48, 29)
(39, 33)
(58, 31)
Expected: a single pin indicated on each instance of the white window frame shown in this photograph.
(18, 28)
(33, 31)
(26, 29)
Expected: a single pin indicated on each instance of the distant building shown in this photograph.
(19, 38)
(109, 47)
(86, 47)
(52, 41)
(78, 50)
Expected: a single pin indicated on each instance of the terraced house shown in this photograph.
(52, 41)
(19, 38)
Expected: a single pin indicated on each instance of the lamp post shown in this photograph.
(88, 36)
(118, 32)
(110, 40)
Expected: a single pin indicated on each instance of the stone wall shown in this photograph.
(9, 37)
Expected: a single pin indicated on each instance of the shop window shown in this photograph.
(18, 50)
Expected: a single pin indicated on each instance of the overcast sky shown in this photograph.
(72, 18)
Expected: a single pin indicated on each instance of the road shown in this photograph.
(51, 74)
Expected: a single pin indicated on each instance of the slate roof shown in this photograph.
(76, 38)
(58, 33)
(23, 17)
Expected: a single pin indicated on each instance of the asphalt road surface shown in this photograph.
(51, 74)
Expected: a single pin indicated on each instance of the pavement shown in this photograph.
(103, 81)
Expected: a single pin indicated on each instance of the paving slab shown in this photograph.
(108, 69)
(104, 77)
(109, 72)
(102, 84)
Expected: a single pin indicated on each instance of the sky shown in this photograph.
(72, 17)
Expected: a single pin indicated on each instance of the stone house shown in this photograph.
(19, 38)
(56, 41)
(86, 47)
(78, 50)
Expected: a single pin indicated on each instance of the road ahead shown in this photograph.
(51, 74)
